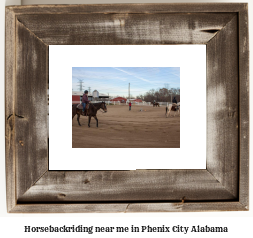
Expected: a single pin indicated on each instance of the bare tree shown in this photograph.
(167, 86)
(161, 95)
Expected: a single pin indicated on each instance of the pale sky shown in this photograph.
(115, 80)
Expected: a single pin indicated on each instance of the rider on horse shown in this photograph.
(85, 102)
(174, 104)
(174, 100)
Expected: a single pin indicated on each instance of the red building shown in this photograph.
(137, 100)
(120, 99)
(76, 99)
(78, 95)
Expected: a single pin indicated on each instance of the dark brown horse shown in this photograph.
(92, 111)
(155, 104)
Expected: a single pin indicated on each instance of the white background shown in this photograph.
(239, 223)
(192, 62)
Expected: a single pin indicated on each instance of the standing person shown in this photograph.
(130, 104)
(85, 101)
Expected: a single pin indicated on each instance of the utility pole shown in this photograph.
(129, 91)
(80, 84)
(89, 89)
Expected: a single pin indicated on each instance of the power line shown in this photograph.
(80, 84)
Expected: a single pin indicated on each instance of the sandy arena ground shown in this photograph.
(121, 128)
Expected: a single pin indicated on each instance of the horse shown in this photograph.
(172, 107)
(91, 111)
(155, 104)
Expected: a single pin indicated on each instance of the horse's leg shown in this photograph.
(89, 121)
(73, 114)
(78, 117)
(96, 120)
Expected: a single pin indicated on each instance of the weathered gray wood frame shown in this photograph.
(223, 186)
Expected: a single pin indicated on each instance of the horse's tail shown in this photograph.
(74, 108)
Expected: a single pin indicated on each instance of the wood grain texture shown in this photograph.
(9, 108)
(186, 207)
(222, 107)
(140, 185)
(129, 207)
(129, 8)
(30, 108)
(244, 106)
(125, 29)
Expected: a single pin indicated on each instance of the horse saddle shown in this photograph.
(80, 106)
(173, 108)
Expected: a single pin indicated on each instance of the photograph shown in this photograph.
(125, 107)
(130, 151)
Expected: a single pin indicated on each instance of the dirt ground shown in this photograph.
(121, 128)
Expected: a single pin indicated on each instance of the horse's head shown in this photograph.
(103, 106)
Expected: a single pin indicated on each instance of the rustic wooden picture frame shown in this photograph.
(223, 186)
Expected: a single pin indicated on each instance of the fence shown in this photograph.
(133, 103)
(138, 103)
